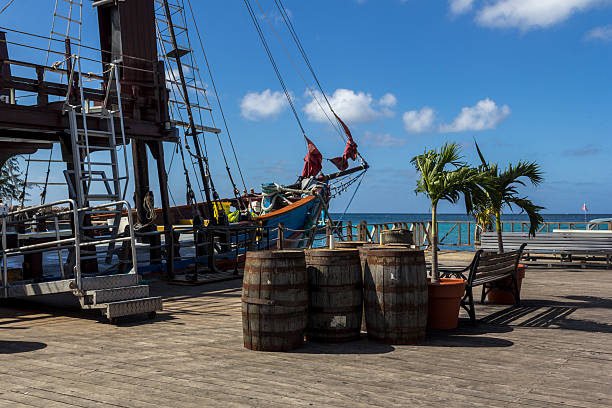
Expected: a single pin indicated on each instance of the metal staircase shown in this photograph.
(118, 295)
(98, 177)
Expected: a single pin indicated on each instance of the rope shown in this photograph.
(43, 194)
(362, 175)
(273, 62)
(7, 6)
(22, 196)
(314, 96)
(283, 11)
(212, 81)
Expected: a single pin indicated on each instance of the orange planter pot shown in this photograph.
(502, 297)
(444, 303)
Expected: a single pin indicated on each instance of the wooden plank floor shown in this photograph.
(556, 350)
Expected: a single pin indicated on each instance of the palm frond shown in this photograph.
(532, 211)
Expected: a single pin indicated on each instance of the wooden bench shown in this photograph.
(491, 272)
(564, 243)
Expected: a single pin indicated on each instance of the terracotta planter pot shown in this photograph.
(502, 297)
(444, 303)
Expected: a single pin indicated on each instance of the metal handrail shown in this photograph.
(57, 244)
(131, 238)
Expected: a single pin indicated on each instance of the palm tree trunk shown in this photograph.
(498, 227)
(435, 272)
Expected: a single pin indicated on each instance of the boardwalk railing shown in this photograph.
(450, 233)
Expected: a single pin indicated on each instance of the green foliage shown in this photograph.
(11, 180)
(501, 189)
(445, 176)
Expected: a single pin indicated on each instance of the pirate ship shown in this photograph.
(93, 113)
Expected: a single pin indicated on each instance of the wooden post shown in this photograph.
(349, 231)
(328, 231)
(165, 202)
(362, 231)
(141, 189)
(41, 98)
(281, 236)
(252, 239)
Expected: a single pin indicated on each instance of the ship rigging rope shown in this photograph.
(283, 11)
(191, 199)
(361, 177)
(274, 65)
(89, 47)
(235, 190)
(7, 6)
(308, 87)
(190, 194)
(213, 83)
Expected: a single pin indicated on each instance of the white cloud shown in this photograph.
(526, 14)
(351, 106)
(262, 105)
(420, 121)
(482, 116)
(460, 6)
(603, 33)
(388, 100)
(382, 140)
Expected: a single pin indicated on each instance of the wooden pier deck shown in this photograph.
(556, 350)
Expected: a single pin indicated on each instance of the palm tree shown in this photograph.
(501, 190)
(445, 176)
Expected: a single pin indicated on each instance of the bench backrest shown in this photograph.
(492, 266)
(549, 241)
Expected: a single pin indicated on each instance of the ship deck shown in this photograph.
(555, 350)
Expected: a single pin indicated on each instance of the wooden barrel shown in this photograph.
(397, 236)
(395, 295)
(350, 244)
(336, 296)
(274, 300)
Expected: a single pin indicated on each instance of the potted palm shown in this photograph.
(444, 176)
(501, 191)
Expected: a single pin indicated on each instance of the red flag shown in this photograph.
(340, 162)
(313, 160)
(350, 152)
(346, 129)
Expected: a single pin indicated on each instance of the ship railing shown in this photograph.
(56, 227)
(51, 80)
(60, 240)
(233, 241)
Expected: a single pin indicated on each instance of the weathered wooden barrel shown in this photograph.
(396, 236)
(350, 244)
(274, 300)
(395, 295)
(336, 295)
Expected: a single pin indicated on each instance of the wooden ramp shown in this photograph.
(556, 350)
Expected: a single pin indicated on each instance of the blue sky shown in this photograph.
(529, 80)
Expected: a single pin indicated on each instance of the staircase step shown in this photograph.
(86, 178)
(133, 307)
(120, 294)
(92, 147)
(91, 132)
(101, 163)
(110, 281)
(102, 197)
